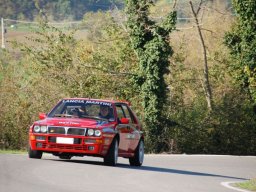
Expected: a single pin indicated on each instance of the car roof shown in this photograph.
(101, 100)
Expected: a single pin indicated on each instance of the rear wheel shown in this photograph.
(112, 155)
(34, 154)
(138, 158)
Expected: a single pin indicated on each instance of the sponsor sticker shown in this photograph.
(87, 102)
(73, 101)
(98, 103)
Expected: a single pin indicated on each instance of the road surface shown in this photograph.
(159, 173)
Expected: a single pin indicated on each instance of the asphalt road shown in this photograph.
(159, 173)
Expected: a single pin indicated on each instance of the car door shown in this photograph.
(123, 130)
(134, 129)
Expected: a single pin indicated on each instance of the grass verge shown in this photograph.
(13, 151)
(248, 185)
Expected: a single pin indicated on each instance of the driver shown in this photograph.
(75, 113)
(105, 112)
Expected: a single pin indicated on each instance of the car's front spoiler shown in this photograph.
(82, 145)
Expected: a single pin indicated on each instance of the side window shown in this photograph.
(120, 113)
(134, 119)
(128, 114)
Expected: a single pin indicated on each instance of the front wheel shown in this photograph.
(34, 154)
(138, 157)
(112, 155)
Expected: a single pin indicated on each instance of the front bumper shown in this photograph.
(82, 145)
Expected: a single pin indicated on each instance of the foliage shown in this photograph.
(83, 68)
(151, 44)
(230, 128)
(16, 103)
(112, 56)
(241, 41)
(53, 58)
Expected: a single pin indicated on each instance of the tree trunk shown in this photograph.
(207, 87)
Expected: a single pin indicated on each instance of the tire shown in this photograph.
(34, 154)
(66, 157)
(112, 155)
(138, 158)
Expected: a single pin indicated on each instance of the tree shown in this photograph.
(206, 83)
(151, 44)
(241, 41)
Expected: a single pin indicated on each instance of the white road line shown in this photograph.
(227, 185)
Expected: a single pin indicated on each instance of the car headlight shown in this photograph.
(43, 129)
(90, 132)
(37, 128)
(97, 133)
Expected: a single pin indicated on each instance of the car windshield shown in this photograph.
(98, 110)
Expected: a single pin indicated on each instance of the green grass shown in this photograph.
(13, 151)
(248, 185)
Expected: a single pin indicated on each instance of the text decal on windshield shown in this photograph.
(98, 103)
(87, 102)
(73, 101)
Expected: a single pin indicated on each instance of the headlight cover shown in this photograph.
(43, 129)
(97, 133)
(90, 132)
(37, 128)
(40, 129)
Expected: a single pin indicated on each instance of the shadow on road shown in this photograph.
(152, 169)
(177, 171)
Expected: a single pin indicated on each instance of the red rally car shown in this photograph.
(92, 127)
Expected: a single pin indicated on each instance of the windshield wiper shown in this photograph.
(94, 117)
(82, 116)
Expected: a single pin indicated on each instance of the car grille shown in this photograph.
(67, 147)
(75, 131)
(66, 130)
(56, 130)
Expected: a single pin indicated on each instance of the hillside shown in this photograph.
(57, 10)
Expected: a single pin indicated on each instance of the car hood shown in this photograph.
(70, 122)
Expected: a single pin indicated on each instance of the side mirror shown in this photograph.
(42, 116)
(124, 121)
